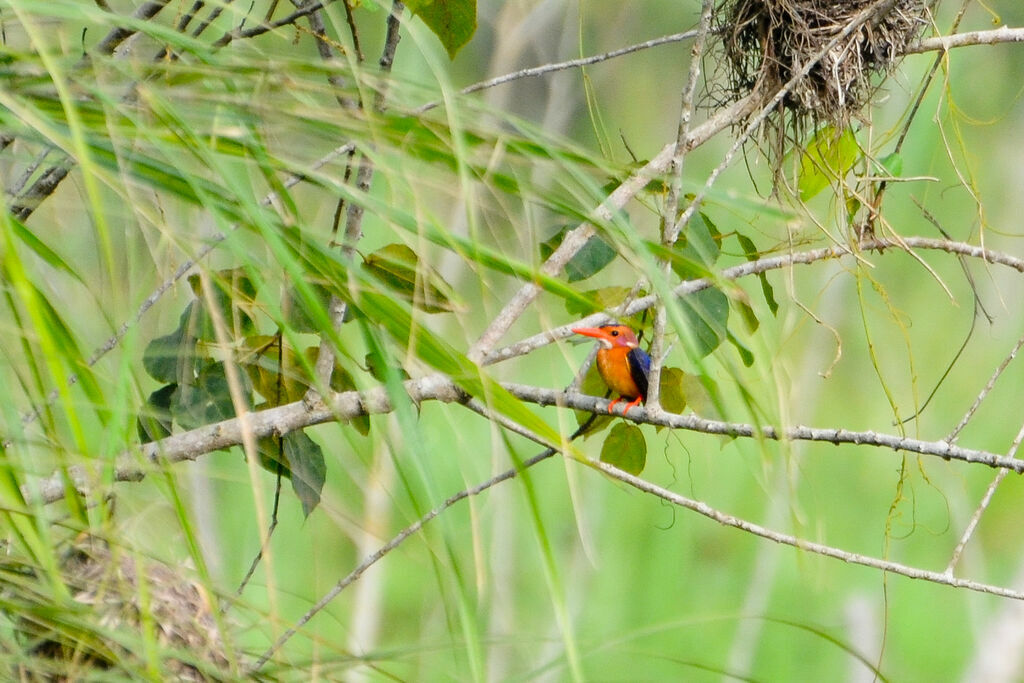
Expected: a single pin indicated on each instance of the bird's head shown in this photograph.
(610, 335)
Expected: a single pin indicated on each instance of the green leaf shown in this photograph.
(596, 300)
(745, 354)
(893, 164)
(68, 344)
(697, 249)
(746, 312)
(706, 313)
(233, 294)
(699, 390)
(592, 258)
(398, 267)
(625, 448)
(341, 380)
(208, 400)
(378, 366)
(673, 397)
(305, 460)
(165, 355)
(752, 254)
(452, 21)
(826, 159)
(154, 421)
(297, 313)
(41, 249)
(593, 385)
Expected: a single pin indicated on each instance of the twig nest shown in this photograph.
(106, 634)
(768, 42)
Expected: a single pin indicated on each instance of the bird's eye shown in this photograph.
(615, 333)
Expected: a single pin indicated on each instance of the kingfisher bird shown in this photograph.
(623, 365)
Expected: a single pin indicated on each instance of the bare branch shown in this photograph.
(135, 464)
(748, 268)
(118, 35)
(799, 543)
(670, 230)
(578, 237)
(1004, 34)
(562, 66)
(652, 489)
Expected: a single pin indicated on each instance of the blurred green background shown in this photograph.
(562, 572)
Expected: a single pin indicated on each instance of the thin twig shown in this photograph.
(799, 543)
(405, 533)
(985, 391)
(267, 27)
(670, 231)
(748, 268)
(983, 505)
(354, 211)
(576, 238)
(562, 66)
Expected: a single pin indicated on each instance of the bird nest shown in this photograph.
(842, 46)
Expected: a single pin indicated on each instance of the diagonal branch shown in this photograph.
(647, 487)
(135, 464)
(748, 268)
(799, 543)
(578, 237)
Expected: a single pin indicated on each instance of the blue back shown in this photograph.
(639, 369)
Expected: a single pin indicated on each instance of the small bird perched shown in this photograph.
(623, 365)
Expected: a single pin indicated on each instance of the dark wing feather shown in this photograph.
(639, 369)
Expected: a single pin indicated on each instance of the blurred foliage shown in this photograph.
(192, 190)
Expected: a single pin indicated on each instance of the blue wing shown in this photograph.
(639, 369)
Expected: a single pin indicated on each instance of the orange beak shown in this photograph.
(595, 332)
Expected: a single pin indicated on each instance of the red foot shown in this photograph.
(632, 404)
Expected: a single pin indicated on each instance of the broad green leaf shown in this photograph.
(233, 294)
(746, 312)
(165, 355)
(154, 421)
(276, 374)
(378, 367)
(698, 390)
(893, 164)
(673, 397)
(826, 159)
(452, 21)
(745, 354)
(296, 310)
(591, 259)
(596, 300)
(697, 250)
(626, 448)
(206, 401)
(752, 254)
(308, 470)
(398, 267)
(706, 313)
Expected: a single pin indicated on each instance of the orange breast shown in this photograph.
(614, 369)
